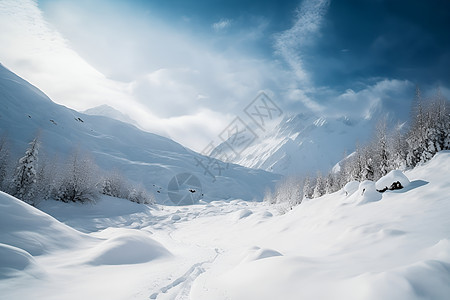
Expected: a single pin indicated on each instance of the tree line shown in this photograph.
(33, 178)
(403, 147)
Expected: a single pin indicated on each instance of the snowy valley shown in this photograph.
(224, 150)
(338, 246)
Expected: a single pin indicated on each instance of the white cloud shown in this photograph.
(221, 25)
(31, 48)
(387, 96)
(173, 84)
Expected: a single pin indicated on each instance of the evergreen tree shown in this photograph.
(307, 188)
(381, 154)
(330, 186)
(26, 173)
(416, 135)
(319, 189)
(398, 149)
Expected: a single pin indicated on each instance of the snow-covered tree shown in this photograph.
(398, 149)
(269, 197)
(319, 189)
(115, 185)
(429, 132)
(78, 181)
(47, 172)
(308, 188)
(331, 184)
(290, 191)
(140, 195)
(26, 173)
(367, 162)
(381, 151)
(356, 164)
(416, 135)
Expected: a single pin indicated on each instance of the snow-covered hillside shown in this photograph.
(395, 246)
(140, 156)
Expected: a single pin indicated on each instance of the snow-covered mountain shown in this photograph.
(302, 144)
(110, 112)
(140, 156)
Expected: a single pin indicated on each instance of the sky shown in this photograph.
(185, 69)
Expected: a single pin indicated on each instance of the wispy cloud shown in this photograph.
(291, 43)
(221, 25)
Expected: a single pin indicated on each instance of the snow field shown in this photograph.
(338, 246)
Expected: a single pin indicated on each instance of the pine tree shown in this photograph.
(319, 189)
(416, 137)
(398, 149)
(307, 188)
(368, 168)
(330, 184)
(381, 154)
(26, 173)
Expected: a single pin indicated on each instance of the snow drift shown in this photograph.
(28, 228)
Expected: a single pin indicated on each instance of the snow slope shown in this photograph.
(300, 144)
(141, 156)
(396, 246)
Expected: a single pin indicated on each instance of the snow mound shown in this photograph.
(266, 214)
(429, 277)
(244, 213)
(28, 228)
(176, 218)
(351, 187)
(367, 192)
(393, 176)
(129, 248)
(257, 253)
(13, 258)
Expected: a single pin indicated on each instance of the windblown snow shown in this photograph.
(352, 244)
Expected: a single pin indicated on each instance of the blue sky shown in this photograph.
(185, 69)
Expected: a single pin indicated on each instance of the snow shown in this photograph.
(13, 258)
(351, 187)
(27, 228)
(367, 193)
(393, 176)
(141, 157)
(395, 246)
(127, 248)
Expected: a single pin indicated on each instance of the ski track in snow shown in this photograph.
(186, 280)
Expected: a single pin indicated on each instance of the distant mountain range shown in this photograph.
(303, 144)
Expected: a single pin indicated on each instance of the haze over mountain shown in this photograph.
(110, 112)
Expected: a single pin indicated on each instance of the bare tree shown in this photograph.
(78, 181)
